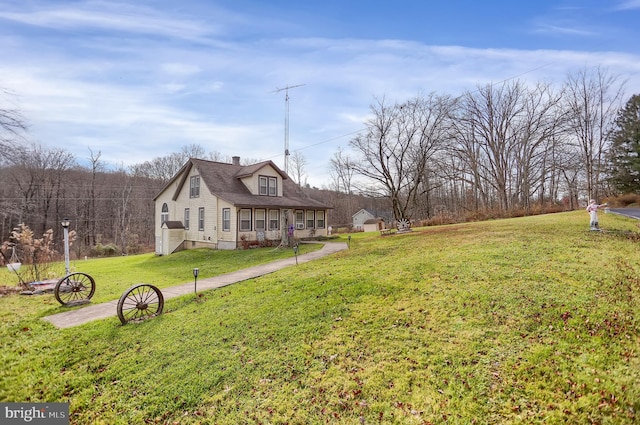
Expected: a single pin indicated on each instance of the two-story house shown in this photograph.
(360, 217)
(217, 205)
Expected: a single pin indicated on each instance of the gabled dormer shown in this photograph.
(263, 179)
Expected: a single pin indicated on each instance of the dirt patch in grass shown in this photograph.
(8, 290)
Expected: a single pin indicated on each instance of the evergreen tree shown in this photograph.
(625, 148)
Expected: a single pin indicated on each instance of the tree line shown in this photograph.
(500, 148)
(110, 208)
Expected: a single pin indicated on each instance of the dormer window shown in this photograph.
(268, 186)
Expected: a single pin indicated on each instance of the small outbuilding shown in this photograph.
(360, 217)
(374, 225)
(172, 237)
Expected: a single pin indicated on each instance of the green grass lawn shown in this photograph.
(528, 320)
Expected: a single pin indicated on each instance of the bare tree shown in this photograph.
(465, 168)
(593, 98)
(506, 150)
(192, 151)
(218, 157)
(12, 126)
(399, 142)
(539, 126)
(298, 163)
(570, 165)
(162, 168)
(38, 175)
(503, 135)
(91, 217)
(342, 171)
(123, 206)
(493, 120)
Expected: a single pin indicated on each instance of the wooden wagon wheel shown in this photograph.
(140, 302)
(75, 289)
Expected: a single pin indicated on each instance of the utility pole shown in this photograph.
(286, 122)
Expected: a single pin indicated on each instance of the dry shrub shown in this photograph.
(494, 214)
(344, 229)
(36, 255)
(623, 201)
(482, 215)
(537, 209)
(439, 220)
(254, 243)
(108, 250)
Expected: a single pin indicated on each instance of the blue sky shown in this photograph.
(140, 79)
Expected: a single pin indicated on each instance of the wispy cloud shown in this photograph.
(564, 30)
(111, 16)
(628, 4)
(140, 82)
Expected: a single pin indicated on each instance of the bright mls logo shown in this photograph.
(35, 413)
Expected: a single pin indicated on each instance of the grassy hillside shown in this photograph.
(526, 320)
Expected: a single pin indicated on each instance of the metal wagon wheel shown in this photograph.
(140, 302)
(74, 289)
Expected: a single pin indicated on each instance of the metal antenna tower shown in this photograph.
(286, 122)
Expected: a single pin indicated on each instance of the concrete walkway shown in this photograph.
(77, 317)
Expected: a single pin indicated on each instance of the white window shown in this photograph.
(164, 215)
(268, 186)
(226, 220)
(273, 186)
(194, 187)
(260, 219)
(274, 219)
(310, 219)
(320, 219)
(245, 220)
(186, 218)
(263, 182)
(201, 218)
(299, 219)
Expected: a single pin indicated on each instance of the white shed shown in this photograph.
(360, 217)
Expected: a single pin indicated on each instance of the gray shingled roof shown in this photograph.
(223, 180)
(173, 225)
(373, 221)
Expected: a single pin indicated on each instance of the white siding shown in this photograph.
(213, 235)
(360, 217)
(252, 182)
(165, 197)
(227, 238)
(206, 200)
